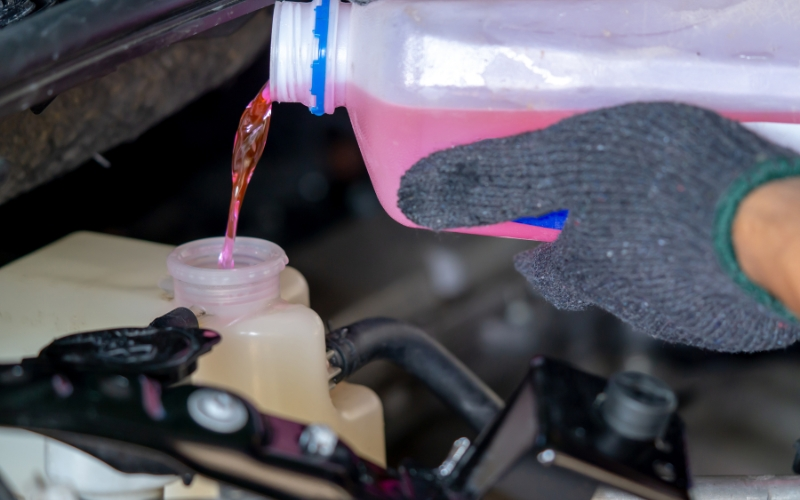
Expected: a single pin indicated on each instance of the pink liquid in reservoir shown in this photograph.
(248, 146)
(393, 138)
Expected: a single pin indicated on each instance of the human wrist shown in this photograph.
(766, 239)
(773, 170)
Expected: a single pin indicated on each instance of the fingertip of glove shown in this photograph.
(415, 197)
(434, 193)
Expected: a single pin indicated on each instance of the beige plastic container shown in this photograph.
(272, 353)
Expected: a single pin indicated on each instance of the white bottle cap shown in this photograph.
(305, 35)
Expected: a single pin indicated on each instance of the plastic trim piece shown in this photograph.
(79, 40)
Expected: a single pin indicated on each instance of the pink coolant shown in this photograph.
(393, 138)
(248, 146)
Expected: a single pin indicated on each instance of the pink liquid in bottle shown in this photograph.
(394, 137)
(248, 146)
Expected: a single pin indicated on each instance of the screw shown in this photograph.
(116, 386)
(663, 446)
(664, 470)
(61, 386)
(217, 411)
(457, 452)
(547, 457)
(318, 439)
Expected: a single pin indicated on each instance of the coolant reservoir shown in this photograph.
(272, 350)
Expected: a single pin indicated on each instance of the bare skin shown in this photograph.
(766, 239)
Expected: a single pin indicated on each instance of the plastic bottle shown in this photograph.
(417, 76)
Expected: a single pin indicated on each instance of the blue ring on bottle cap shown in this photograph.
(318, 67)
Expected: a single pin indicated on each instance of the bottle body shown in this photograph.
(424, 76)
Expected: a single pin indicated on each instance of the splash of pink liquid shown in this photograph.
(248, 146)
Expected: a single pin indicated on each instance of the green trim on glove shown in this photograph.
(767, 171)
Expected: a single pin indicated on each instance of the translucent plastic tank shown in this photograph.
(272, 350)
(417, 76)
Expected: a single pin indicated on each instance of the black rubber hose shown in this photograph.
(418, 354)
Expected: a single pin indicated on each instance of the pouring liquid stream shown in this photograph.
(248, 146)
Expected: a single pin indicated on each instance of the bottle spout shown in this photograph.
(308, 58)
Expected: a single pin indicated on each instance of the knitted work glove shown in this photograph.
(652, 191)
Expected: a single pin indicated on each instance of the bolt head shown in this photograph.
(665, 471)
(319, 440)
(217, 411)
(546, 457)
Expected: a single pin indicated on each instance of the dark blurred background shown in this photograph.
(311, 195)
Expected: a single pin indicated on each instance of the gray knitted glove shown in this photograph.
(651, 189)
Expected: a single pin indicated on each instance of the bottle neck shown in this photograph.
(252, 285)
(308, 58)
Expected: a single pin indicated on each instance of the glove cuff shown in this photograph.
(767, 171)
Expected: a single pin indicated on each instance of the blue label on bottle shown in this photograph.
(319, 66)
(553, 220)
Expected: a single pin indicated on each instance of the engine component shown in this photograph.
(217, 411)
(408, 347)
(727, 488)
(119, 103)
(168, 353)
(549, 434)
(68, 45)
(92, 281)
(638, 406)
(264, 455)
(552, 434)
(14, 10)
